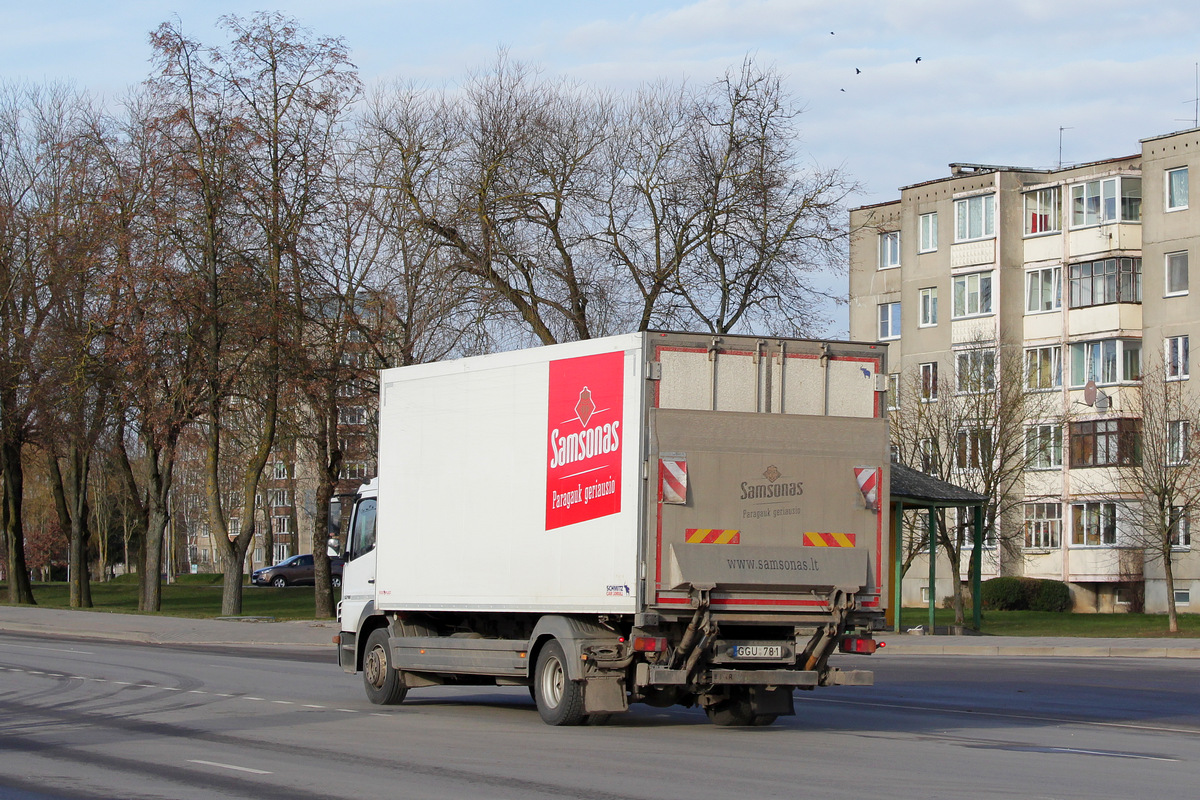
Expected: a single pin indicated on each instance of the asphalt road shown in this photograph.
(91, 719)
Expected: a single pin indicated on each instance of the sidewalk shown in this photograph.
(319, 634)
(1038, 646)
(152, 629)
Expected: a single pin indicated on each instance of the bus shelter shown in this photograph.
(911, 489)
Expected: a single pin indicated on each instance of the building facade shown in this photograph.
(1079, 277)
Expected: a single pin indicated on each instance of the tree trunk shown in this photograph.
(1169, 572)
(19, 590)
(72, 516)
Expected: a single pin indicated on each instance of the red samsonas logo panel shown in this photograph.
(583, 458)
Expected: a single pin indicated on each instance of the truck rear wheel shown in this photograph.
(734, 711)
(384, 685)
(559, 699)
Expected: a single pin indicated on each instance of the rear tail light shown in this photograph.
(859, 644)
(650, 644)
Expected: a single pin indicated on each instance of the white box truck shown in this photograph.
(661, 518)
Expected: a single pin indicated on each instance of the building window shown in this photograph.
(1106, 361)
(280, 550)
(929, 381)
(1117, 199)
(1093, 524)
(258, 556)
(1043, 526)
(1112, 280)
(975, 371)
(889, 320)
(1177, 189)
(1043, 446)
(281, 524)
(889, 250)
(1176, 357)
(1043, 290)
(279, 498)
(280, 471)
(1106, 443)
(1183, 597)
(355, 470)
(973, 295)
(961, 523)
(891, 397)
(928, 232)
(930, 456)
(1041, 211)
(975, 218)
(1177, 273)
(352, 415)
(1181, 529)
(928, 307)
(1178, 433)
(973, 448)
(1043, 368)
(234, 528)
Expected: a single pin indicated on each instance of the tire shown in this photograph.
(384, 685)
(279, 582)
(763, 720)
(336, 580)
(734, 712)
(559, 699)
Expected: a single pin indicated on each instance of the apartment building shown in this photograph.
(1081, 276)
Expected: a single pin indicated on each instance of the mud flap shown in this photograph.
(348, 651)
(775, 700)
(604, 695)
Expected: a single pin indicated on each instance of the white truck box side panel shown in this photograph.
(463, 464)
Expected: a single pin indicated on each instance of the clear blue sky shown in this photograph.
(995, 82)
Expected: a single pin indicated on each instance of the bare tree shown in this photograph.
(965, 423)
(1158, 485)
(254, 126)
(28, 125)
(770, 228)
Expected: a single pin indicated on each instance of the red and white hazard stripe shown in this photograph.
(868, 484)
(674, 480)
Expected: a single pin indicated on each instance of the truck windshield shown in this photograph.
(362, 538)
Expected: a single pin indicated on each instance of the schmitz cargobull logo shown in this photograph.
(583, 457)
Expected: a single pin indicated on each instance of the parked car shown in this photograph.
(295, 571)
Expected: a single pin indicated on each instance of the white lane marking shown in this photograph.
(229, 766)
(1109, 753)
(196, 691)
(51, 649)
(1003, 715)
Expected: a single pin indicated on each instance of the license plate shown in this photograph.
(758, 651)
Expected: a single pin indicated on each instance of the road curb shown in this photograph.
(1041, 651)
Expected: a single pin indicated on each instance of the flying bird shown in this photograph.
(857, 71)
(918, 61)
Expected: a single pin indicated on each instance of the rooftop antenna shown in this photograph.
(1195, 101)
(1060, 138)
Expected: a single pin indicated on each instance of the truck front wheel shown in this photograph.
(559, 699)
(384, 685)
